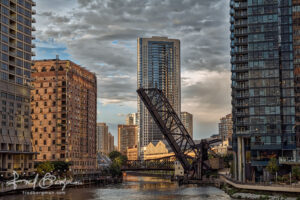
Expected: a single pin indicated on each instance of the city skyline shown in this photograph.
(202, 59)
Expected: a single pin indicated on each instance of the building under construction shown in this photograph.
(63, 110)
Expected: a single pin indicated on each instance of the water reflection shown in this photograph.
(133, 187)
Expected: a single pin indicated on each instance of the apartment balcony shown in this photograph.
(239, 59)
(240, 69)
(33, 37)
(240, 33)
(240, 15)
(238, 78)
(241, 87)
(242, 132)
(33, 28)
(13, 17)
(33, 20)
(240, 5)
(11, 44)
(33, 12)
(259, 163)
(242, 113)
(289, 161)
(12, 35)
(241, 42)
(12, 54)
(33, 45)
(12, 62)
(33, 3)
(33, 53)
(13, 8)
(265, 146)
(241, 105)
(241, 51)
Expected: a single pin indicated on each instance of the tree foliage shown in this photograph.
(45, 167)
(113, 155)
(296, 172)
(118, 160)
(54, 166)
(272, 166)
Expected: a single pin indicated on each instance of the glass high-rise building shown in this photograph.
(158, 67)
(263, 57)
(16, 153)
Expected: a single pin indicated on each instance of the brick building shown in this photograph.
(127, 137)
(63, 110)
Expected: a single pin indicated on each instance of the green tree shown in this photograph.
(61, 166)
(296, 172)
(45, 167)
(121, 160)
(113, 155)
(272, 166)
(118, 160)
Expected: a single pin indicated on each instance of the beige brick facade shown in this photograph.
(63, 110)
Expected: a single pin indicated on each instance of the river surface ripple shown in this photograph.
(132, 188)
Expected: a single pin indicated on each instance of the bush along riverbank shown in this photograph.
(58, 176)
(257, 195)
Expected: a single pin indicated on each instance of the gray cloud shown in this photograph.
(101, 35)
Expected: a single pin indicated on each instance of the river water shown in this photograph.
(132, 188)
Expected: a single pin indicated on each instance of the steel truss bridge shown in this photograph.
(161, 164)
(175, 134)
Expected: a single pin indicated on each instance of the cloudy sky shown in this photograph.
(101, 35)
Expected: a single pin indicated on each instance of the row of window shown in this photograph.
(269, 2)
(6, 95)
(263, 19)
(26, 4)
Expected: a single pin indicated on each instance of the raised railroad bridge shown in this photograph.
(161, 164)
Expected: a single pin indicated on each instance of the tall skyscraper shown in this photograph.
(158, 67)
(105, 140)
(225, 128)
(111, 140)
(264, 51)
(127, 137)
(102, 138)
(63, 111)
(132, 119)
(187, 121)
(16, 151)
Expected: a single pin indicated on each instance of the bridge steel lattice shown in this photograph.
(174, 132)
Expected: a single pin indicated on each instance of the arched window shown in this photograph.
(44, 69)
(52, 69)
(61, 68)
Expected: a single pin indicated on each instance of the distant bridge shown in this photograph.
(161, 164)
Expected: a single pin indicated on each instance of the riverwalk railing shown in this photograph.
(295, 188)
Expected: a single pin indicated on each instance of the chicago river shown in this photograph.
(133, 187)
